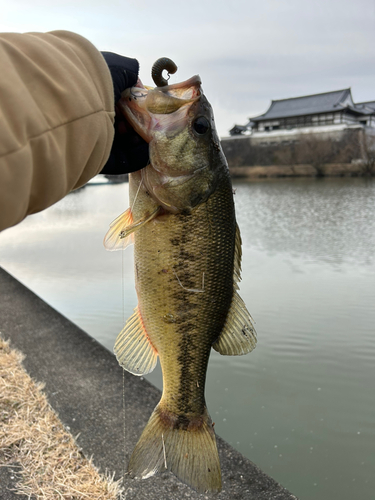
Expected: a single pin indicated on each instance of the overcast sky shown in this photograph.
(247, 52)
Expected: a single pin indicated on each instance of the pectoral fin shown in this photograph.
(120, 234)
(238, 335)
(133, 348)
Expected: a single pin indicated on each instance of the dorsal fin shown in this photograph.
(133, 348)
(238, 335)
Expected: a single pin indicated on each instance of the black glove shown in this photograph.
(129, 151)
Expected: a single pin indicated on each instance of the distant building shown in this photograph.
(327, 109)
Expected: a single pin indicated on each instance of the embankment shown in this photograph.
(85, 385)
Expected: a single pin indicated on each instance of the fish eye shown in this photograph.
(201, 125)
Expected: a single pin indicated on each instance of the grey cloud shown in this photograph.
(247, 52)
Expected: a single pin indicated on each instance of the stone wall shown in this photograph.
(336, 152)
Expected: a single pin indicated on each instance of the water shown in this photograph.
(302, 405)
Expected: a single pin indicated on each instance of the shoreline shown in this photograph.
(85, 385)
(303, 170)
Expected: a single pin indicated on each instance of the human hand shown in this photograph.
(129, 151)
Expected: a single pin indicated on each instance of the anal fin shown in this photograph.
(133, 348)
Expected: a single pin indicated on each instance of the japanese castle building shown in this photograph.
(335, 110)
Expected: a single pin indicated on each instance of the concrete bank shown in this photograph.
(84, 384)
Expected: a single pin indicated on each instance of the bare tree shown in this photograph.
(285, 155)
(316, 151)
(367, 144)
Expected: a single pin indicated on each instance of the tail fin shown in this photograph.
(187, 449)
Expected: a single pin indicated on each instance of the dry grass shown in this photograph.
(52, 466)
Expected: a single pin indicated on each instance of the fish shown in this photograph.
(187, 264)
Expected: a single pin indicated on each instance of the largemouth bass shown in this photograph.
(187, 254)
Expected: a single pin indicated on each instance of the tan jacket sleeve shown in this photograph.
(56, 119)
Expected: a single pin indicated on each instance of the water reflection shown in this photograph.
(301, 405)
(330, 220)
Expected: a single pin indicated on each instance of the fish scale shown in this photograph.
(184, 322)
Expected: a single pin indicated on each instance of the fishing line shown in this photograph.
(123, 371)
(136, 194)
(123, 409)
(123, 323)
(195, 290)
(122, 288)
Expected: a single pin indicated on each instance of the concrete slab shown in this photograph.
(8, 480)
(85, 385)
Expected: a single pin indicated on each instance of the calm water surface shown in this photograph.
(302, 405)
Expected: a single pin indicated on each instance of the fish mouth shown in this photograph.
(175, 89)
(183, 89)
(147, 108)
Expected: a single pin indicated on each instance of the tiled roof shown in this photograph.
(307, 105)
(241, 128)
(366, 108)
